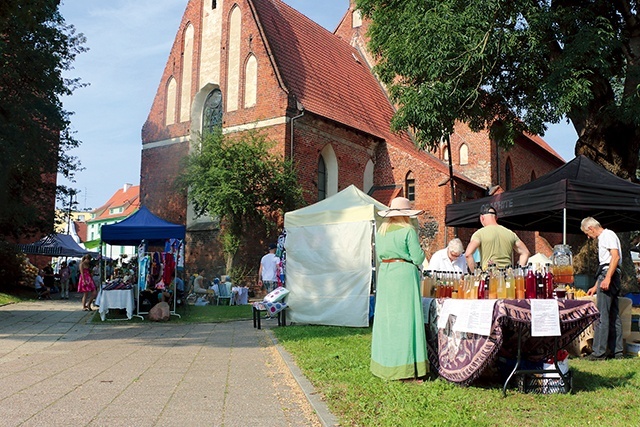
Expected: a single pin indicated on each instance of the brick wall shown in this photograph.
(353, 149)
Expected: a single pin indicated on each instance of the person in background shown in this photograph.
(49, 278)
(64, 280)
(449, 259)
(496, 243)
(95, 274)
(268, 271)
(86, 284)
(73, 278)
(200, 287)
(180, 296)
(608, 331)
(41, 290)
(398, 343)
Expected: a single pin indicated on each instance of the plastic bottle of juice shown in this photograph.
(530, 287)
(493, 282)
(548, 282)
(541, 291)
(468, 287)
(510, 283)
(481, 285)
(460, 285)
(519, 277)
(502, 286)
(449, 285)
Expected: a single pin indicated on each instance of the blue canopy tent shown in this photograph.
(142, 225)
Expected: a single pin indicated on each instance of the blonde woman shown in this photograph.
(86, 284)
(398, 346)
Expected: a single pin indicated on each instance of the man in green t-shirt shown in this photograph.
(496, 243)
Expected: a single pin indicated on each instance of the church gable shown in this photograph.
(218, 46)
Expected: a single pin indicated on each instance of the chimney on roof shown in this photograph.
(126, 187)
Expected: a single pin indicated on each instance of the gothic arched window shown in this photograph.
(508, 171)
(322, 179)
(212, 114)
(410, 186)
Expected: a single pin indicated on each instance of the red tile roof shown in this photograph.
(329, 77)
(542, 143)
(129, 200)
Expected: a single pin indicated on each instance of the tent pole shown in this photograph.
(564, 226)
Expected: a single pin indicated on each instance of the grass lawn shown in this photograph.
(11, 294)
(336, 361)
(193, 314)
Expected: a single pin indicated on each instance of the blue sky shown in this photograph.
(129, 43)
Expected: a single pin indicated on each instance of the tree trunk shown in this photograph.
(629, 279)
(612, 144)
(615, 146)
(228, 260)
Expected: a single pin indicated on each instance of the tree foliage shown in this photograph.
(238, 180)
(36, 46)
(512, 66)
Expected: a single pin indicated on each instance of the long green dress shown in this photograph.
(398, 346)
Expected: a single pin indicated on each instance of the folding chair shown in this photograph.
(224, 293)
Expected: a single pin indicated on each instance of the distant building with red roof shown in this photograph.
(123, 203)
(262, 64)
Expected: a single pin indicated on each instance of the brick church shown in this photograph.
(261, 64)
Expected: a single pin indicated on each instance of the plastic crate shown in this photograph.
(539, 384)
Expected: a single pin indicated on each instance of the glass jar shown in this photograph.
(562, 264)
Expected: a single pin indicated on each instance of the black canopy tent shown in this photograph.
(558, 201)
(55, 245)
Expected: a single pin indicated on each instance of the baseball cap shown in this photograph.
(488, 210)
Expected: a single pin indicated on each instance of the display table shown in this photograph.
(461, 357)
(116, 298)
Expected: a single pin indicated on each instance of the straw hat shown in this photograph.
(400, 206)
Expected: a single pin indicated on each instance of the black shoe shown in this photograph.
(619, 356)
(594, 357)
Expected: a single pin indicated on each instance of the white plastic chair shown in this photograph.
(224, 293)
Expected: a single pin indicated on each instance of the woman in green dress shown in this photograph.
(398, 345)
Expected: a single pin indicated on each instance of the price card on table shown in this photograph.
(473, 316)
(545, 318)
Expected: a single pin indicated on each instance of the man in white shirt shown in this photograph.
(450, 258)
(608, 331)
(268, 271)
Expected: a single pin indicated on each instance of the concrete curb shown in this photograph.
(327, 419)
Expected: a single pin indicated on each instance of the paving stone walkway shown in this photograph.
(59, 369)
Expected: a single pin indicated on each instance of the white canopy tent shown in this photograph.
(329, 254)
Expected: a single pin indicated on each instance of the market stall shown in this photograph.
(329, 259)
(465, 337)
(146, 229)
(558, 201)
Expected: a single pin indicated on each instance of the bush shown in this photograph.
(10, 264)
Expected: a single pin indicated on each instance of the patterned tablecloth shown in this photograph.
(461, 357)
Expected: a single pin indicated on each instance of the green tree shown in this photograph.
(240, 181)
(36, 46)
(510, 66)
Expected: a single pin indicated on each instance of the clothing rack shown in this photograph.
(143, 255)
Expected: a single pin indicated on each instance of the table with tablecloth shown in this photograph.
(116, 298)
(461, 357)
